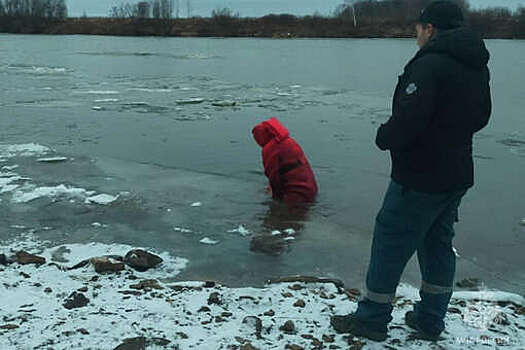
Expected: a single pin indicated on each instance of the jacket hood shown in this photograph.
(462, 44)
(268, 130)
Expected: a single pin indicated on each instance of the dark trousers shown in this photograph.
(410, 222)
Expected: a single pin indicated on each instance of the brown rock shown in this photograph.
(269, 313)
(83, 289)
(307, 336)
(240, 340)
(138, 343)
(287, 295)
(454, 310)
(293, 347)
(178, 288)
(76, 300)
(182, 335)
(214, 298)
(248, 346)
(141, 260)
(255, 322)
(25, 275)
(48, 290)
(306, 279)
(317, 344)
(353, 291)
(323, 295)
(355, 344)
(296, 287)
(226, 314)
(3, 259)
(83, 331)
(209, 284)
(130, 292)
(9, 326)
(146, 284)
(299, 303)
(204, 309)
(105, 264)
(328, 338)
(288, 327)
(25, 258)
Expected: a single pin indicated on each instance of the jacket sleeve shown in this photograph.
(414, 106)
(485, 105)
(272, 164)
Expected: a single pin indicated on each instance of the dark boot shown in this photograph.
(350, 324)
(412, 321)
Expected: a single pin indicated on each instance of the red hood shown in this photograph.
(269, 130)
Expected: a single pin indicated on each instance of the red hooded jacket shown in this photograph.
(285, 164)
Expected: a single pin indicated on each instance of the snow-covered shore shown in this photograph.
(158, 311)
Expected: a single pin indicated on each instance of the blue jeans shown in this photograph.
(412, 221)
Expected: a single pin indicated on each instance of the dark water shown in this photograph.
(117, 107)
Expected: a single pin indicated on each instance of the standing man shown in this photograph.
(441, 100)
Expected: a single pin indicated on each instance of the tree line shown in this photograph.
(488, 21)
(353, 18)
(156, 9)
(408, 11)
(48, 9)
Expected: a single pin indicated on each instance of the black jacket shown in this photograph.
(441, 100)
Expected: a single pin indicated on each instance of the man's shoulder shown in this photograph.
(430, 60)
(431, 64)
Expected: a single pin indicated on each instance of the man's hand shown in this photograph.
(268, 190)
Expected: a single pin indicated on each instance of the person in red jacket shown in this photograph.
(291, 177)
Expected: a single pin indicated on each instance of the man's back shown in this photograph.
(441, 100)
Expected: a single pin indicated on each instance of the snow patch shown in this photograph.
(116, 311)
(102, 199)
(22, 150)
(241, 230)
(492, 296)
(52, 159)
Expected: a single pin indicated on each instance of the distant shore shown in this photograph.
(272, 26)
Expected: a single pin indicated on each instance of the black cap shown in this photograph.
(442, 14)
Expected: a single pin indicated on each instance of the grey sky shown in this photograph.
(248, 8)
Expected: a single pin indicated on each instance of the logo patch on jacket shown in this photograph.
(411, 88)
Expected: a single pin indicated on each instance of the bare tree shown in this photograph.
(351, 4)
(143, 8)
(188, 8)
(166, 9)
(124, 11)
(60, 9)
(155, 9)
